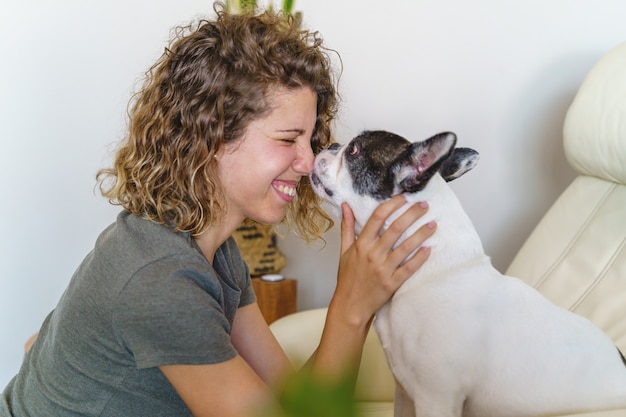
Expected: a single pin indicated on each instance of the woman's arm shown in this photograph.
(226, 389)
(30, 342)
(257, 345)
(239, 386)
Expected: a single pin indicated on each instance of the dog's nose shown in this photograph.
(320, 162)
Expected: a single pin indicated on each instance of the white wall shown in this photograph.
(499, 73)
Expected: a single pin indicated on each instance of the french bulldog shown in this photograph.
(461, 339)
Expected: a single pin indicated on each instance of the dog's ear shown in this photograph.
(414, 167)
(458, 163)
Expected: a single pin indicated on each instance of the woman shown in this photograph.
(160, 319)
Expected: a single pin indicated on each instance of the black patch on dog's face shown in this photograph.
(369, 157)
(382, 164)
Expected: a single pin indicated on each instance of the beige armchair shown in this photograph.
(576, 255)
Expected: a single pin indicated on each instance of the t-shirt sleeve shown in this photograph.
(239, 270)
(176, 312)
(247, 294)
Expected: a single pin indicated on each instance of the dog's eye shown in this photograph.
(354, 149)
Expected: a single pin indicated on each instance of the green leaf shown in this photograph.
(248, 5)
(288, 6)
(305, 395)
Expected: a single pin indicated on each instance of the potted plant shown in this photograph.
(242, 6)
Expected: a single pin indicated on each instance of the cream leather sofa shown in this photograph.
(576, 255)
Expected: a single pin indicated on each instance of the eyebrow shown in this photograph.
(298, 131)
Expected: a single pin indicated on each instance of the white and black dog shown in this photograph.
(461, 339)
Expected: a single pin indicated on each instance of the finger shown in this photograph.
(412, 243)
(347, 228)
(371, 230)
(401, 224)
(407, 269)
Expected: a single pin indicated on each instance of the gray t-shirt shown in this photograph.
(144, 297)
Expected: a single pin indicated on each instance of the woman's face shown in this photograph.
(259, 172)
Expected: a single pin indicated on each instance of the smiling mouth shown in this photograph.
(290, 191)
(286, 189)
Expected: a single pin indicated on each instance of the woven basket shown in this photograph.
(257, 243)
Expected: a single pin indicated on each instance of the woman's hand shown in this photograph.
(370, 272)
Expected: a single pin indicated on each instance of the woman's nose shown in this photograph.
(304, 161)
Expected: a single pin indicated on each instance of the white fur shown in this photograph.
(463, 340)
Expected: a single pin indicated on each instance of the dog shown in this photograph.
(461, 339)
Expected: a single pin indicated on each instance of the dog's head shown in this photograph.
(376, 165)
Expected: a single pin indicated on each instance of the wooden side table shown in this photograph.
(276, 299)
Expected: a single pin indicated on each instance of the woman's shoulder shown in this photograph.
(132, 237)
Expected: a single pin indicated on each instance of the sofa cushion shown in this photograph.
(576, 256)
(595, 125)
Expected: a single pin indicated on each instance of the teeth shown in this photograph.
(290, 191)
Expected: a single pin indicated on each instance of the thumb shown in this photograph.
(347, 228)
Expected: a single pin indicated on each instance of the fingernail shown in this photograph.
(423, 204)
(431, 224)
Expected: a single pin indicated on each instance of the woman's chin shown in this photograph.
(270, 218)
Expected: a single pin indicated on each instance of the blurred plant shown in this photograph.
(240, 6)
(305, 395)
(243, 6)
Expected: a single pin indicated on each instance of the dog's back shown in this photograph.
(476, 342)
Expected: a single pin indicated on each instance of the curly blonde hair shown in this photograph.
(209, 84)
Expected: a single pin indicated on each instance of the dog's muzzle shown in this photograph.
(317, 184)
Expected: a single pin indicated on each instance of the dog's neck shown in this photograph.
(455, 241)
